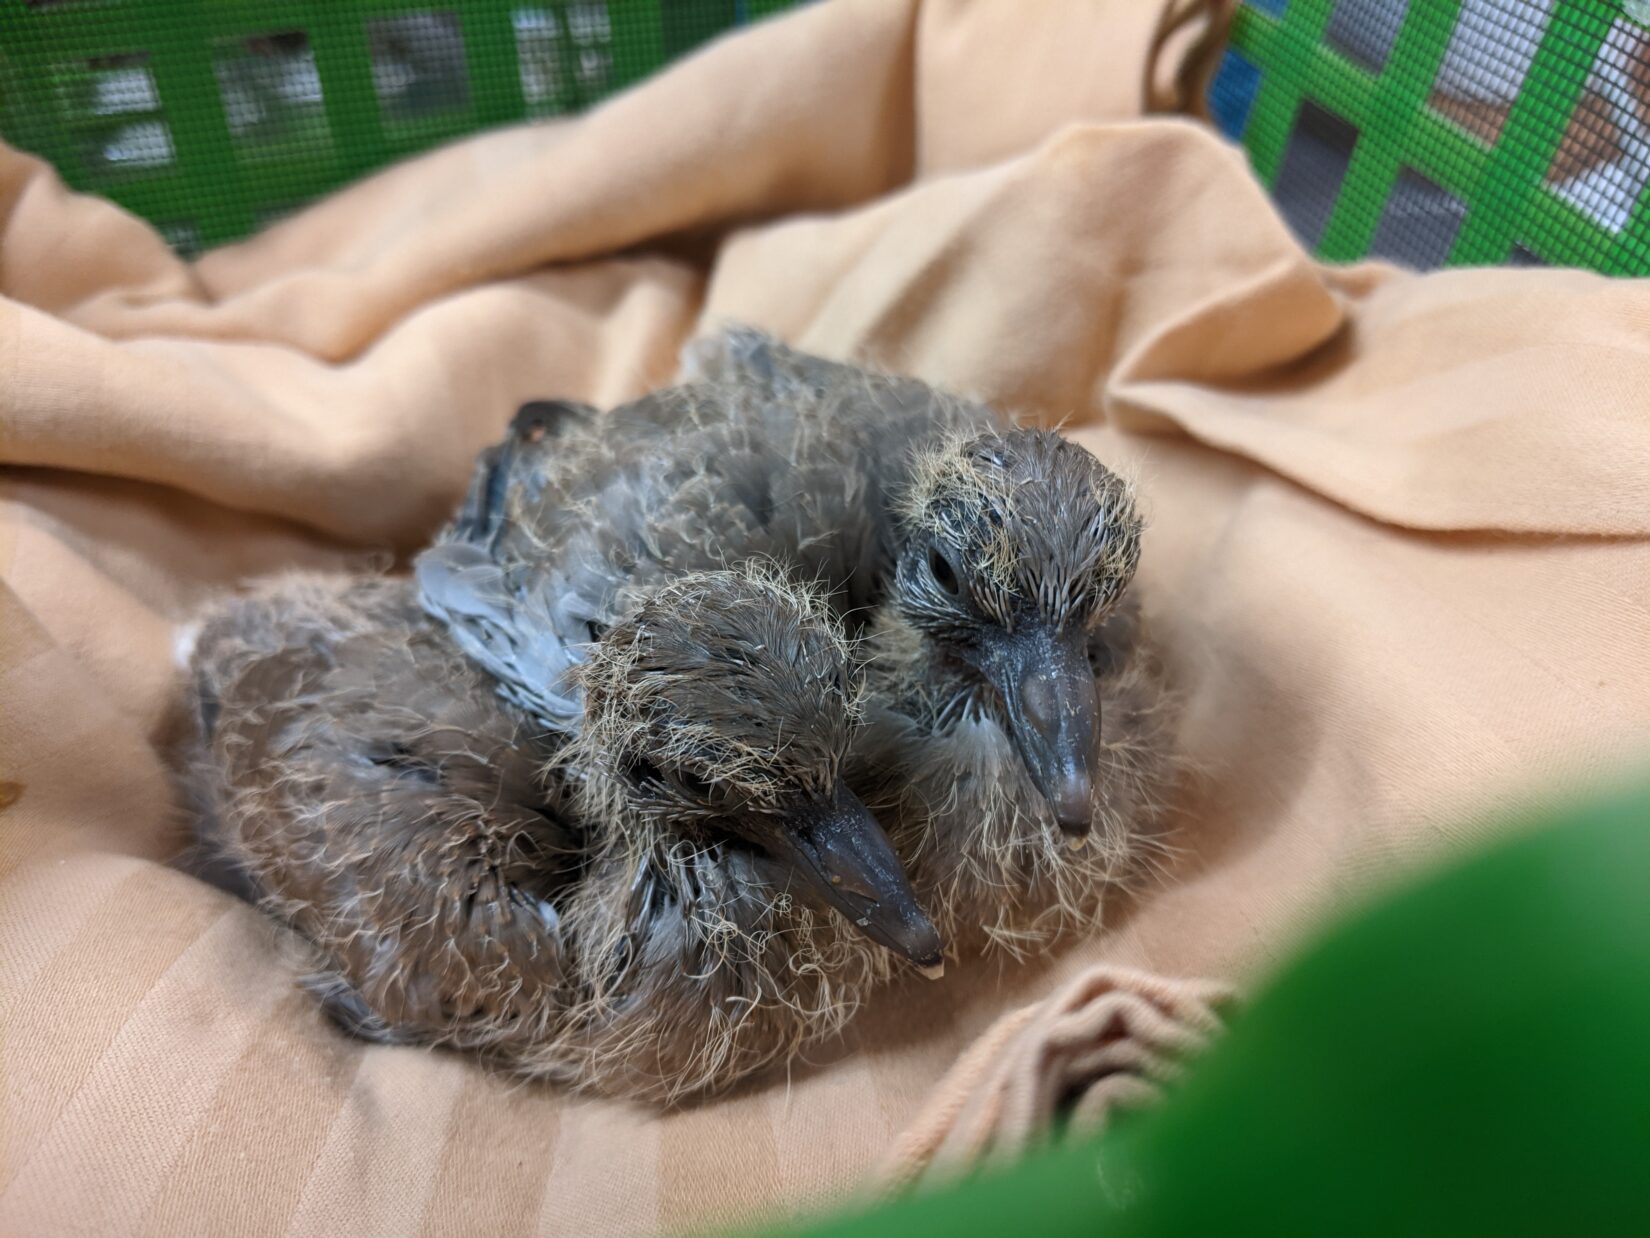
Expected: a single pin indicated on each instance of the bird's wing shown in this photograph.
(536, 431)
(476, 579)
(506, 625)
(554, 542)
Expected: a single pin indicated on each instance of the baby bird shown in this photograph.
(626, 912)
(564, 534)
(1014, 695)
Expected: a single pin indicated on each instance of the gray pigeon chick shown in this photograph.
(1014, 697)
(630, 913)
(566, 535)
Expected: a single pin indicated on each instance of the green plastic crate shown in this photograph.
(1450, 132)
(210, 118)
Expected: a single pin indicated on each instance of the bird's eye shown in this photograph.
(596, 630)
(945, 575)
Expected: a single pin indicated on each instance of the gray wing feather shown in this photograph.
(503, 630)
(765, 452)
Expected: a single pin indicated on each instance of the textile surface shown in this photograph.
(1397, 559)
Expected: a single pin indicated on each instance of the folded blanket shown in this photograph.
(1105, 1042)
(1397, 557)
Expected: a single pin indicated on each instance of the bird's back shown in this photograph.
(557, 538)
(849, 434)
(762, 453)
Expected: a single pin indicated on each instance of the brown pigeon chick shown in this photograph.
(645, 910)
(565, 532)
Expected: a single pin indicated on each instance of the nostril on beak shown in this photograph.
(856, 884)
(1038, 703)
(1073, 803)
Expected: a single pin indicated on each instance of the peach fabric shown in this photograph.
(1106, 1042)
(1398, 560)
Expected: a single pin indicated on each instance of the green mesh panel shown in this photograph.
(1448, 132)
(212, 117)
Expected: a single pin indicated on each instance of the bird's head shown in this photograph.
(723, 707)
(1014, 546)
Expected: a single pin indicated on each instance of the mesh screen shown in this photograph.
(1429, 132)
(212, 119)
(1450, 132)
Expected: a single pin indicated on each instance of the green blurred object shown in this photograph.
(1449, 132)
(1469, 1056)
(210, 118)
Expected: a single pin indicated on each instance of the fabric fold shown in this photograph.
(1396, 563)
(1105, 1042)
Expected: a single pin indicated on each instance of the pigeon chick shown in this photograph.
(1017, 710)
(642, 911)
(999, 549)
(563, 533)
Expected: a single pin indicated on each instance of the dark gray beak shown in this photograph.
(1054, 714)
(842, 854)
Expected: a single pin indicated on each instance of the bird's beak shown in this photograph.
(1054, 718)
(843, 855)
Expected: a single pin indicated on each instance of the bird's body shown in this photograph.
(579, 797)
(587, 574)
(370, 786)
(559, 533)
(849, 441)
(376, 793)
(574, 796)
(986, 566)
(989, 565)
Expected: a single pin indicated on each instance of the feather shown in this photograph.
(366, 785)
